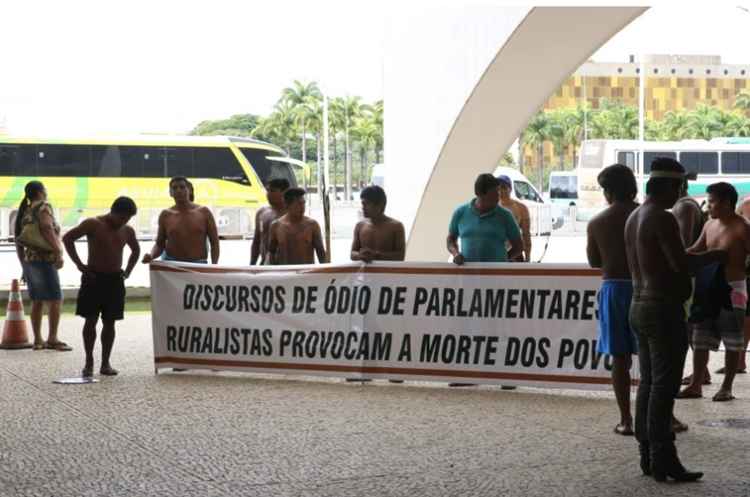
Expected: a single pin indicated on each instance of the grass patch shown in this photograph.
(134, 305)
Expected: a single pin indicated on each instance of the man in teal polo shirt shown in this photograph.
(483, 227)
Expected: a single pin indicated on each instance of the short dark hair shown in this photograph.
(292, 194)
(485, 183)
(374, 194)
(124, 205)
(278, 184)
(179, 178)
(724, 191)
(619, 182)
(660, 186)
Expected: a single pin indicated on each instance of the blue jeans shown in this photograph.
(42, 280)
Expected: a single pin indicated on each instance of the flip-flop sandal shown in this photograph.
(739, 371)
(723, 397)
(87, 372)
(688, 395)
(39, 346)
(679, 427)
(625, 430)
(110, 371)
(59, 346)
(689, 379)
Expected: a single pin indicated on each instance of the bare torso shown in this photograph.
(733, 236)
(186, 232)
(294, 242)
(606, 240)
(383, 238)
(105, 246)
(266, 216)
(650, 231)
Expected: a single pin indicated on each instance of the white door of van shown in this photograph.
(539, 212)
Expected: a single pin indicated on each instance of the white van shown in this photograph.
(539, 210)
(563, 194)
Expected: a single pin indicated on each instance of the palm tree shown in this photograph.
(377, 118)
(302, 98)
(366, 133)
(335, 124)
(537, 132)
(557, 134)
(353, 109)
(705, 122)
(742, 101)
(737, 125)
(675, 125)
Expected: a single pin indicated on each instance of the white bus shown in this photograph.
(563, 194)
(722, 159)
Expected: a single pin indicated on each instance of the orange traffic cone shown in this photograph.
(15, 335)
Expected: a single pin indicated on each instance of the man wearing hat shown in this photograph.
(520, 214)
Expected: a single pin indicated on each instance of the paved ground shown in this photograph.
(227, 434)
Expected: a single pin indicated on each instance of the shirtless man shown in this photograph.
(689, 217)
(659, 267)
(184, 229)
(727, 231)
(605, 249)
(295, 238)
(520, 214)
(102, 278)
(377, 237)
(744, 211)
(265, 216)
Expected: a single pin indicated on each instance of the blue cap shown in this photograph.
(503, 179)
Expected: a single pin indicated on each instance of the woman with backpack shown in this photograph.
(40, 252)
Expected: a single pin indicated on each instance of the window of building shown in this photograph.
(700, 162)
(648, 158)
(735, 162)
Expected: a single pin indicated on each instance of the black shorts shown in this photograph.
(101, 293)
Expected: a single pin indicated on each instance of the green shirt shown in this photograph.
(483, 236)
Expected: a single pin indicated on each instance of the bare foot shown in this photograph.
(88, 371)
(723, 396)
(690, 393)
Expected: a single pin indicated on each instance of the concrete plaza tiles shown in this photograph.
(226, 434)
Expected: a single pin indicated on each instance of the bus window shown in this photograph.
(649, 157)
(105, 162)
(626, 159)
(218, 162)
(63, 160)
(563, 187)
(735, 162)
(524, 191)
(268, 169)
(154, 162)
(179, 161)
(17, 160)
(700, 162)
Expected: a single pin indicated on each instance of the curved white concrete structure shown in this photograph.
(460, 83)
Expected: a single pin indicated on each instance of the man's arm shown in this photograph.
(357, 254)
(255, 246)
(398, 251)
(452, 244)
(687, 216)
(161, 240)
(320, 250)
(679, 260)
(213, 235)
(525, 225)
(69, 240)
(273, 244)
(700, 244)
(592, 248)
(516, 247)
(135, 251)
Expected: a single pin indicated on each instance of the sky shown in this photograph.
(105, 67)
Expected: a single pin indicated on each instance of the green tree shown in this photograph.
(704, 122)
(675, 125)
(377, 118)
(537, 132)
(352, 108)
(742, 102)
(236, 125)
(737, 125)
(303, 98)
(365, 132)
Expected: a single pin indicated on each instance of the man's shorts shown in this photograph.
(747, 307)
(615, 335)
(727, 327)
(101, 293)
(42, 281)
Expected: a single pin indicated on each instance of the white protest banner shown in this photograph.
(513, 324)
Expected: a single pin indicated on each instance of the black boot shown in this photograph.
(645, 458)
(665, 463)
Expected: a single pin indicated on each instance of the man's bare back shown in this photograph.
(295, 242)
(606, 241)
(656, 255)
(105, 245)
(383, 240)
(731, 235)
(186, 232)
